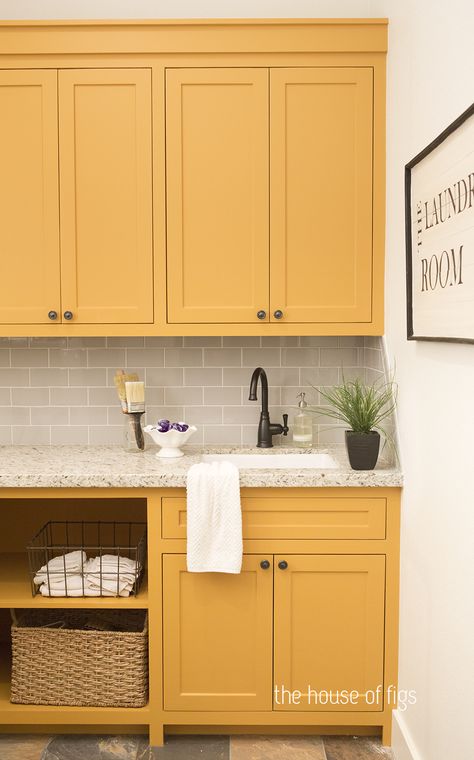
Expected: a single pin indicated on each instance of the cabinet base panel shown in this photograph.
(106, 730)
(276, 730)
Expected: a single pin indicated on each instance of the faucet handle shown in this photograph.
(285, 424)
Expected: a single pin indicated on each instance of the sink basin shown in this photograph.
(318, 461)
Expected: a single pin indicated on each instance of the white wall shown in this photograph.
(431, 71)
(182, 8)
(430, 82)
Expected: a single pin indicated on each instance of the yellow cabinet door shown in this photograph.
(321, 194)
(217, 195)
(329, 632)
(106, 195)
(29, 202)
(217, 637)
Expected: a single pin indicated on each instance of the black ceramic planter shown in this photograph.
(362, 449)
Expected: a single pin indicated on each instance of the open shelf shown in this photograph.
(15, 591)
(12, 714)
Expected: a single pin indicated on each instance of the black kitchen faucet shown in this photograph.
(266, 429)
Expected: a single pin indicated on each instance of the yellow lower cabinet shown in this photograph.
(329, 632)
(217, 637)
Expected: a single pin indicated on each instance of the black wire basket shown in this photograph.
(87, 558)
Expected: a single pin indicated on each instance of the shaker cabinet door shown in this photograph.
(217, 632)
(321, 194)
(105, 163)
(217, 195)
(329, 631)
(29, 201)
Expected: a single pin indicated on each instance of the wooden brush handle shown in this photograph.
(136, 417)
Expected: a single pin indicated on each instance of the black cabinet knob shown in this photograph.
(278, 314)
(283, 564)
(68, 315)
(264, 564)
(52, 315)
(261, 314)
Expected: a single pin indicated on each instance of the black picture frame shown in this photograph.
(467, 114)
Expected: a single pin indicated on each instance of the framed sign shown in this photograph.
(439, 208)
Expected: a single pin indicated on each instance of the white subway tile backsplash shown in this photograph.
(126, 342)
(183, 396)
(68, 396)
(49, 377)
(319, 341)
(300, 357)
(15, 415)
(338, 357)
(87, 377)
(50, 415)
(223, 357)
(204, 376)
(202, 342)
(222, 396)
(164, 377)
(45, 342)
(203, 415)
(284, 340)
(105, 436)
(222, 434)
(6, 397)
(61, 390)
(63, 435)
(143, 357)
(14, 378)
(5, 434)
(92, 415)
(155, 341)
(241, 415)
(261, 357)
(241, 341)
(107, 357)
(31, 435)
(67, 357)
(183, 357)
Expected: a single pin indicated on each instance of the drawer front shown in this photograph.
(289, 517)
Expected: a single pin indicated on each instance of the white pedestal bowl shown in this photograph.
(169, 442)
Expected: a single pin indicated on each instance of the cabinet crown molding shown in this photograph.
(139, 36)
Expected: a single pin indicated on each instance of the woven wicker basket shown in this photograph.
(67, 666)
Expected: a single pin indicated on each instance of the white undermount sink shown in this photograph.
(318, 461)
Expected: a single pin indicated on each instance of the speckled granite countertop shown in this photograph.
(110, 466)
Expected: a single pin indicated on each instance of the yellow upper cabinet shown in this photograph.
(294, 249)
(321, 194)
(106, 195)
(29, 204)
(217, 195)
(76, 233)
(192, 178)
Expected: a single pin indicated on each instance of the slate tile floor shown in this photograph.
(35, 747)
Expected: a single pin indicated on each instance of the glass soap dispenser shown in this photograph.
(303, 425)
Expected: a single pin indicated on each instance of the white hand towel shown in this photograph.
(214, 543)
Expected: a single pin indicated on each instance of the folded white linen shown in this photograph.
(67, 583)
(65, 564)
(116, 584)
(109, 563)
(214, 519)
(73, 574)
(45, 591)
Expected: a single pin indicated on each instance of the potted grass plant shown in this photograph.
(364, 407)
